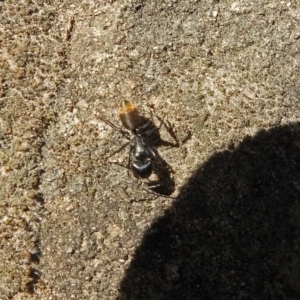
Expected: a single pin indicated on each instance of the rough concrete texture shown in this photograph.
(73, 225)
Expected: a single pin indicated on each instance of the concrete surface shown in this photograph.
(73, 225)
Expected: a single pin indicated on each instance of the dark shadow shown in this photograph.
(35, 277)
(233, 233)
(164, 184)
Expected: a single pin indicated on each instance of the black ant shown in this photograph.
(144, 138)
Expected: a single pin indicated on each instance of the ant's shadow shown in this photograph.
(164, 184)
(232, 233)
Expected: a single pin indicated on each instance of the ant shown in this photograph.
(144, 138)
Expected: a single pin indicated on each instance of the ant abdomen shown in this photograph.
(129, 116)
(141, 169)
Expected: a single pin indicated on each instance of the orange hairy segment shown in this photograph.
(129, 115)
(127, 107)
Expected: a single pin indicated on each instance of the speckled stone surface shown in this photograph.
(76, 225)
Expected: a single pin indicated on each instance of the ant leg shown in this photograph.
(117, 151)
(160, 119)
(169, 129)
(119, 164)
(162, 122)
(171, 133)
(129, 160)
(151, 190)
(115, 127)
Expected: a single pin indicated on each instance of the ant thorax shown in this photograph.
(148, 132)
